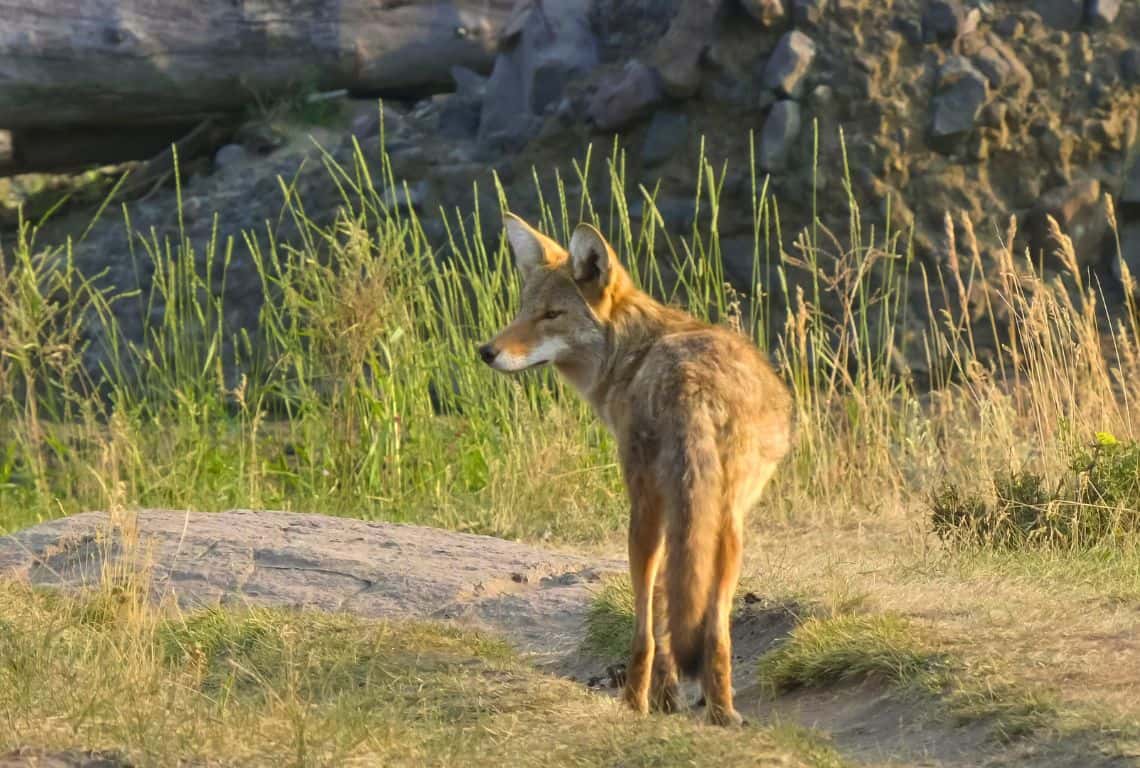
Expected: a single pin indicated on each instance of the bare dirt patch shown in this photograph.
(535, 597)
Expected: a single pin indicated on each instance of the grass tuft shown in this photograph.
(822, 651)
(609, 620)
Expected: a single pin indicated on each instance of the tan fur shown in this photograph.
(701, 421)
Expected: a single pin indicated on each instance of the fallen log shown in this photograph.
(126, 62)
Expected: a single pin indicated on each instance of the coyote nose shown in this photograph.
(487, 353)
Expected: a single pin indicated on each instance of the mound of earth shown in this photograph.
(535, 598)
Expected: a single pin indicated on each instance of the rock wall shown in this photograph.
(989, 108)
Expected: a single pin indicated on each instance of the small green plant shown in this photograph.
(822, 651)
(1097, 501)
(609, 620)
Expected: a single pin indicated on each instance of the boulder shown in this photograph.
(544, 46)
(677, 56)
(627, 96)
(769, 13)
(789, 64)
(1060, 14)
(961, 94)
(458, 116)
(947, 20)
(1003, 69)
(667, 135)
(1101, 13)
(781, 128)
(230, 154)
(1129, 255)
(1079, 210)
(807, 13)
(1130, 66)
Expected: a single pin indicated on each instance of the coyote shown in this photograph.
(701, 421)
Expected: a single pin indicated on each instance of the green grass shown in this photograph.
(609, 620)
(843, 648)
(272, 687)
(823, 651)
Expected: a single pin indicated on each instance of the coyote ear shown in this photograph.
(592, 260)
(530, 247)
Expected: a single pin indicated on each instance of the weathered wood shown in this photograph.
(120, 62)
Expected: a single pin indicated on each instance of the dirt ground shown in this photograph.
(537, 598)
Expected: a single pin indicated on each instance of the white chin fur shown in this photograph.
(546, 352)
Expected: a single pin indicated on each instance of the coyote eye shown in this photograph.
(550, 314)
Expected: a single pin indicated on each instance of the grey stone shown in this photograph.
(781, 128)
(505, 97)
(1010, 27)
(508, 139)
(1079, 210)
(789, 63)
(910, 29)
(676, 212)
(230, 154)
(1003, 69)
(1060, 14)
(459, 114)
(1130, 66)
(677, 56)
(961, 95)
(1129, 255)
(738, 254)
(469, 84)
(768, 12)
(1130, 193)
(366, 125)
(667, 135)
(947, 20)
(808, 12)
(548, 45)
(1101, 13)
(627, 96)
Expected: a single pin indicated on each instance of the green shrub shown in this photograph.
(1097, 501)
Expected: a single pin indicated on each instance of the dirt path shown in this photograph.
(536, 598)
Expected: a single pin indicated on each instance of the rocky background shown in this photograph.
(990, 108)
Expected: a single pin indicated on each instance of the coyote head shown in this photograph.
(565, 303)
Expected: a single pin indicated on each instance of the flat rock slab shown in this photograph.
(536, 598)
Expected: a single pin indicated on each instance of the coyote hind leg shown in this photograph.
(646, 546)
(717, 674)
(665, 692)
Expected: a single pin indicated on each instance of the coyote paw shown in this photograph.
(728, 718)
(636, 701)
(667, 699)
